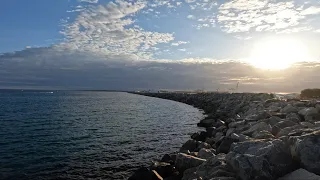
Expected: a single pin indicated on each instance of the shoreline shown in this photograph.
(233, 122)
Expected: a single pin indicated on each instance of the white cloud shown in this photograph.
(183, 49)
(190, 1)
(256, 15)
(89, 1)
(104, 29)
(191, 16)
(179, 43)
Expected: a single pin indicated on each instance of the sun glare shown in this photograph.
(278, 53)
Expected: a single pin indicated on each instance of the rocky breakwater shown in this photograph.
(245, 137)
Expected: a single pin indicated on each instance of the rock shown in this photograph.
(220, 123)
(190, 145)
(317, 124)
(212, 168)
(225, 145)
(307, 124)
(206, 123)
(272, 120)
(203, 145)
(218, 136)
(199, 136)
(146, 174)
(185, 161)
(230, 131)
(318, 107)
(257, 116)
(294, 117)
(237, 124)
(211, 131)
(281, 125)
(308, 111)
(223, 178)
(306, 149)
(300, 174)
(166, 158)
(163, 169)
(257, 127)
(206, 153)
(299, 104)
(210, 141)
(274, 108)
(262, 135)
(260, 159)
(286, 131)
(240, 137)
(312, 117)
(280, 115)
(289, 109)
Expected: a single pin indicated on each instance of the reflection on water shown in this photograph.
(87, 135)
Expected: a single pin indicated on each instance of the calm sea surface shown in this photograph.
(87, 135)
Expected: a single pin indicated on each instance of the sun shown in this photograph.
(277, 53)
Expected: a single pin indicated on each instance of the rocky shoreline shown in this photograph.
(246, 136)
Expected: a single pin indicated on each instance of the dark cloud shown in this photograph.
(51, 68)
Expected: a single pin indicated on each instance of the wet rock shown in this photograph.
(212, 168)
(257, 127)
(163, 169)
(218, 136)
(306, 149)
(190, 145)
(206, 123)
(185, 161)
(263, 159)
(210, 141)
(225, 145)
(289, 109)
(199, 136)
(166, 158)
(211, 131)
(146, 174)
(206, 153)
(203, 145)
(300, 174)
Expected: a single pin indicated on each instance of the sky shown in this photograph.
(265, 45)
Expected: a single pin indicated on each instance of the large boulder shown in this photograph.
(257, 116)
(300, 174)
(145, 173)
(225, 145)
(206, 153)
(262, 135)
(281, 125)
(289, 109)
(240, 137)
(190, 145)
(237, 124)
(293, 117)
(185, 161)
(257, 127)
(287, 130)
(310, 114)
(163, 169)
(306, 149)
(203, 145)
(272, 120)
(213, 168)
(206, 123)
(260, 159)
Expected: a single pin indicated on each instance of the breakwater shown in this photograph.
(245, 136)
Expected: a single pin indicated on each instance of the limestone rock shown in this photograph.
(300, 174)
(185, 161)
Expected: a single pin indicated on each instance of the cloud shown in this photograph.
(89, 1)
(51, 68)
(190, 1)
(190, 16)
(256, 15)
(109, 29)
(179, 43)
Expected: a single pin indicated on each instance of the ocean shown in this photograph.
(87, 134)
